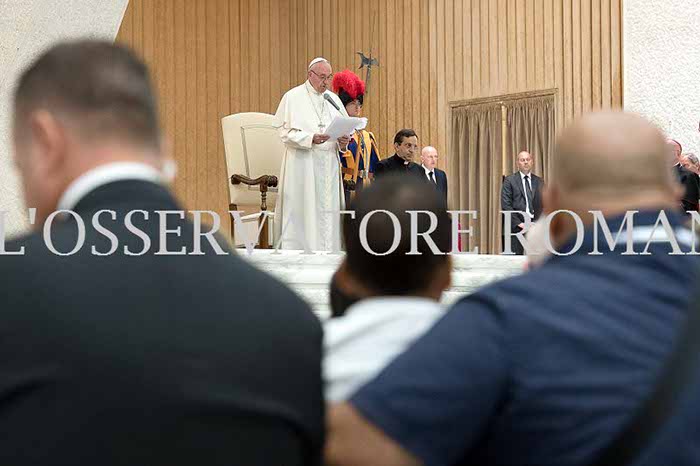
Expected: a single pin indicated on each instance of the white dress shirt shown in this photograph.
(528, 207)
(104, 174)
(428, 171)
(370, 335)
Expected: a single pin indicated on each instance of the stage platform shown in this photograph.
(310, 274)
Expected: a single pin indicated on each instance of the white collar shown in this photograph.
(523, 175)
(427, 170)
(392, 304)
(107, 173)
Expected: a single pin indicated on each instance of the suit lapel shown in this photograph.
(519, 183)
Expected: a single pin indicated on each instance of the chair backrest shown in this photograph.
(253, 148)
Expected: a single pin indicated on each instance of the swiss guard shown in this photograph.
(362, 155)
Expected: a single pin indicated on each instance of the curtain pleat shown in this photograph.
(477, 156)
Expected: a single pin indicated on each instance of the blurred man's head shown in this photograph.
(612, 162)
(406, 144)
(684, 161)
(398, 273)
(524, 162)
(691, 162)
(429, 157)
(674, 151)
(80, 105)
(320, 75)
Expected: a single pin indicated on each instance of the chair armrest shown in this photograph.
(264, 181)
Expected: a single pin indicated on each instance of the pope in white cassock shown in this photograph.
(311, 185)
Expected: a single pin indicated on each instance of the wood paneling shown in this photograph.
(211, 58)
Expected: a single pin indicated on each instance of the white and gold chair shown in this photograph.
(254, 154)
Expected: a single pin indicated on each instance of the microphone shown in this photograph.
(330, 99)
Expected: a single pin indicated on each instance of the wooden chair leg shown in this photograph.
(264, 233)
(232, 207)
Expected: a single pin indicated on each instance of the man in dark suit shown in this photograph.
(130, 335)
(688, 179)
(405, 145)
(522, 192)
(429, 159)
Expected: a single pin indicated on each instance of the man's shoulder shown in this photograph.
(416, 168)
(563, 280)
(513, 178)
(295, 91)
(374, 316)
(22, 251)
(387, 162)
(687, 174)
(680, 169)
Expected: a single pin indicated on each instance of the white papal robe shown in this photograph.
(311, 184)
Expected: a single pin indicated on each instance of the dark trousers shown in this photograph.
(515, 246)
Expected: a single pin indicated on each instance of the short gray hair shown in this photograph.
(103, 85)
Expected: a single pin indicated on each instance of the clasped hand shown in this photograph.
(321, 138)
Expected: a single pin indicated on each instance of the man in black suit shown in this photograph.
(688, 179)
(405, 145)
(130, 336)
(429, 159)
(522, 192)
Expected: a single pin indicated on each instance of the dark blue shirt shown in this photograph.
(539, 369)
(677, 442)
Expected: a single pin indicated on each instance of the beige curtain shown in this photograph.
(531, 127)
(477, 164)
(476, 168)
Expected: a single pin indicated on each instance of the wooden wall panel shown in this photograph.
(211, 58)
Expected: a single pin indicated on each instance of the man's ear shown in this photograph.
(50, 137)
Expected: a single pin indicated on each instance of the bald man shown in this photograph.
(521, 192)
(438, 178)
(544, 368)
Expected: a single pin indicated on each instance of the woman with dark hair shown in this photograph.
(362, 155)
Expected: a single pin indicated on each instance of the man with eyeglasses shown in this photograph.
(311, 185)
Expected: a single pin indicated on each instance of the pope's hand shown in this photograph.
(343, 142)
(320, 138)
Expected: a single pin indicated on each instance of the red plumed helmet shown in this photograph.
(348, 86)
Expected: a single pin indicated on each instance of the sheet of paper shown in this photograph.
(345, 126)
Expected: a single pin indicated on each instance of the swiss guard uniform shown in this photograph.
(361, 157)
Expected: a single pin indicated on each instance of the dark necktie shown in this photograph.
(528, 193)
(432, 177)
